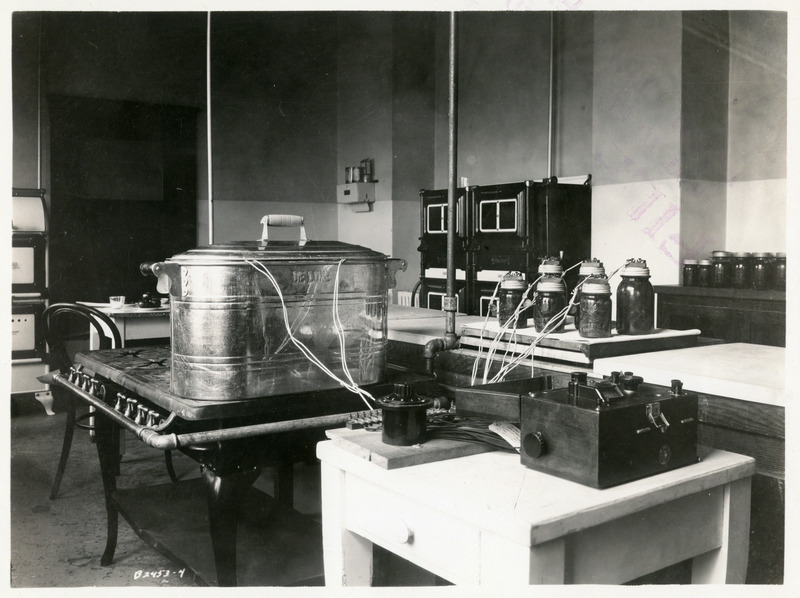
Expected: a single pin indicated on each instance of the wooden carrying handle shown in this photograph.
(282, 220)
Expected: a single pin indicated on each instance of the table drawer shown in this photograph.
(425, 536)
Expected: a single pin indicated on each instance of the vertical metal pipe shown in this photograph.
(39, 109)
(452, 190)
(551, 101)
(208, 133)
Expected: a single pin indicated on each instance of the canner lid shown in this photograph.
(236, 252)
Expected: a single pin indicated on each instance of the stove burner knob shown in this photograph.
(676, 387)
(74, 375)
(534, 444)
(152, 418)
(98, 389)
(121, 401)
(84, 382)
(141, 415)
(130, 408)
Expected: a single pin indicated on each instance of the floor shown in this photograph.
(58, 543)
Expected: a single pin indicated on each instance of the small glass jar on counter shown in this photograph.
(549, 303)
(705, 273)
(595, 308)
(690, 273)
(635, 299)
(779, 279)
(740, 270)
(512, 290)
(722, 269)
(588, 269)
(761, 274)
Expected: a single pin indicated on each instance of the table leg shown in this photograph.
(347, 556)
(107, 442)
(224, 493)
(728, 563)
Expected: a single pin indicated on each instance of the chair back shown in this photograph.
(58, 315)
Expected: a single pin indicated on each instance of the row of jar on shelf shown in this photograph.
(589, 303)
(737, 270)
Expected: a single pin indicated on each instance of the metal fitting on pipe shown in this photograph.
(434, 346)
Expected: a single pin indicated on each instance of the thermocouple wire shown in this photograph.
(352, 387)
(529, 351)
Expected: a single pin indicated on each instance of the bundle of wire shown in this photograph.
(349, 384)
(511, 324)
(453, 427)
(524, 355)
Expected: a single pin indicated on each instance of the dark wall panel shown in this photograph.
(274, 106)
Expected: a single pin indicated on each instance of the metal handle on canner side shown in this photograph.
(282, 220)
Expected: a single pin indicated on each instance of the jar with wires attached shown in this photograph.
(550, 305)
(588, 269)
(551, 268)
(512, 292)
(635, 299)
(595, 308)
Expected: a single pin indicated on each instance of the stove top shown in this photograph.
(146, 372)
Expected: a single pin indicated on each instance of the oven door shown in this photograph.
(27, 334)
(28, 263)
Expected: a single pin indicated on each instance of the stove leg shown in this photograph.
(224, 494)
(107, 438)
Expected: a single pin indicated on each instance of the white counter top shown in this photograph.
(743, 371)
(417, 325)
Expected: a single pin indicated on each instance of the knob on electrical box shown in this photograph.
(534, 444)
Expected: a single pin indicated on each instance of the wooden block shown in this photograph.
(370, 446)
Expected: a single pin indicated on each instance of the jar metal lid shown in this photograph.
(762, 254)
(550, 268)
(596, 286)
(551, 286)
(513, 280)
(781, 255)
(721, 254)
(742, 254)
(689, 262)
(512, 284)
(705, 262)
(636, 267)
(592, 268)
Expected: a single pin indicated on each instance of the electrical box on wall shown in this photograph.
(360, 196)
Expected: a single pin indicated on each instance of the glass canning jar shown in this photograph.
(721, 277)
(595, 308)
(549, 302)
(740, 271)
(635, 299)
(588, 269)
(512, 290)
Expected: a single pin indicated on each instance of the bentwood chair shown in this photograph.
(56, 320)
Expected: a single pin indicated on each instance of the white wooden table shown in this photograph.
(486, 519)
(134, 323)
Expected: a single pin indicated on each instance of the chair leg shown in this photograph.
(170, 469)
(69, 429)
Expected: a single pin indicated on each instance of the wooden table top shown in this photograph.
(495, 491)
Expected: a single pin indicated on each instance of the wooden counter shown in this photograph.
(742, 399)
(733, 315)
